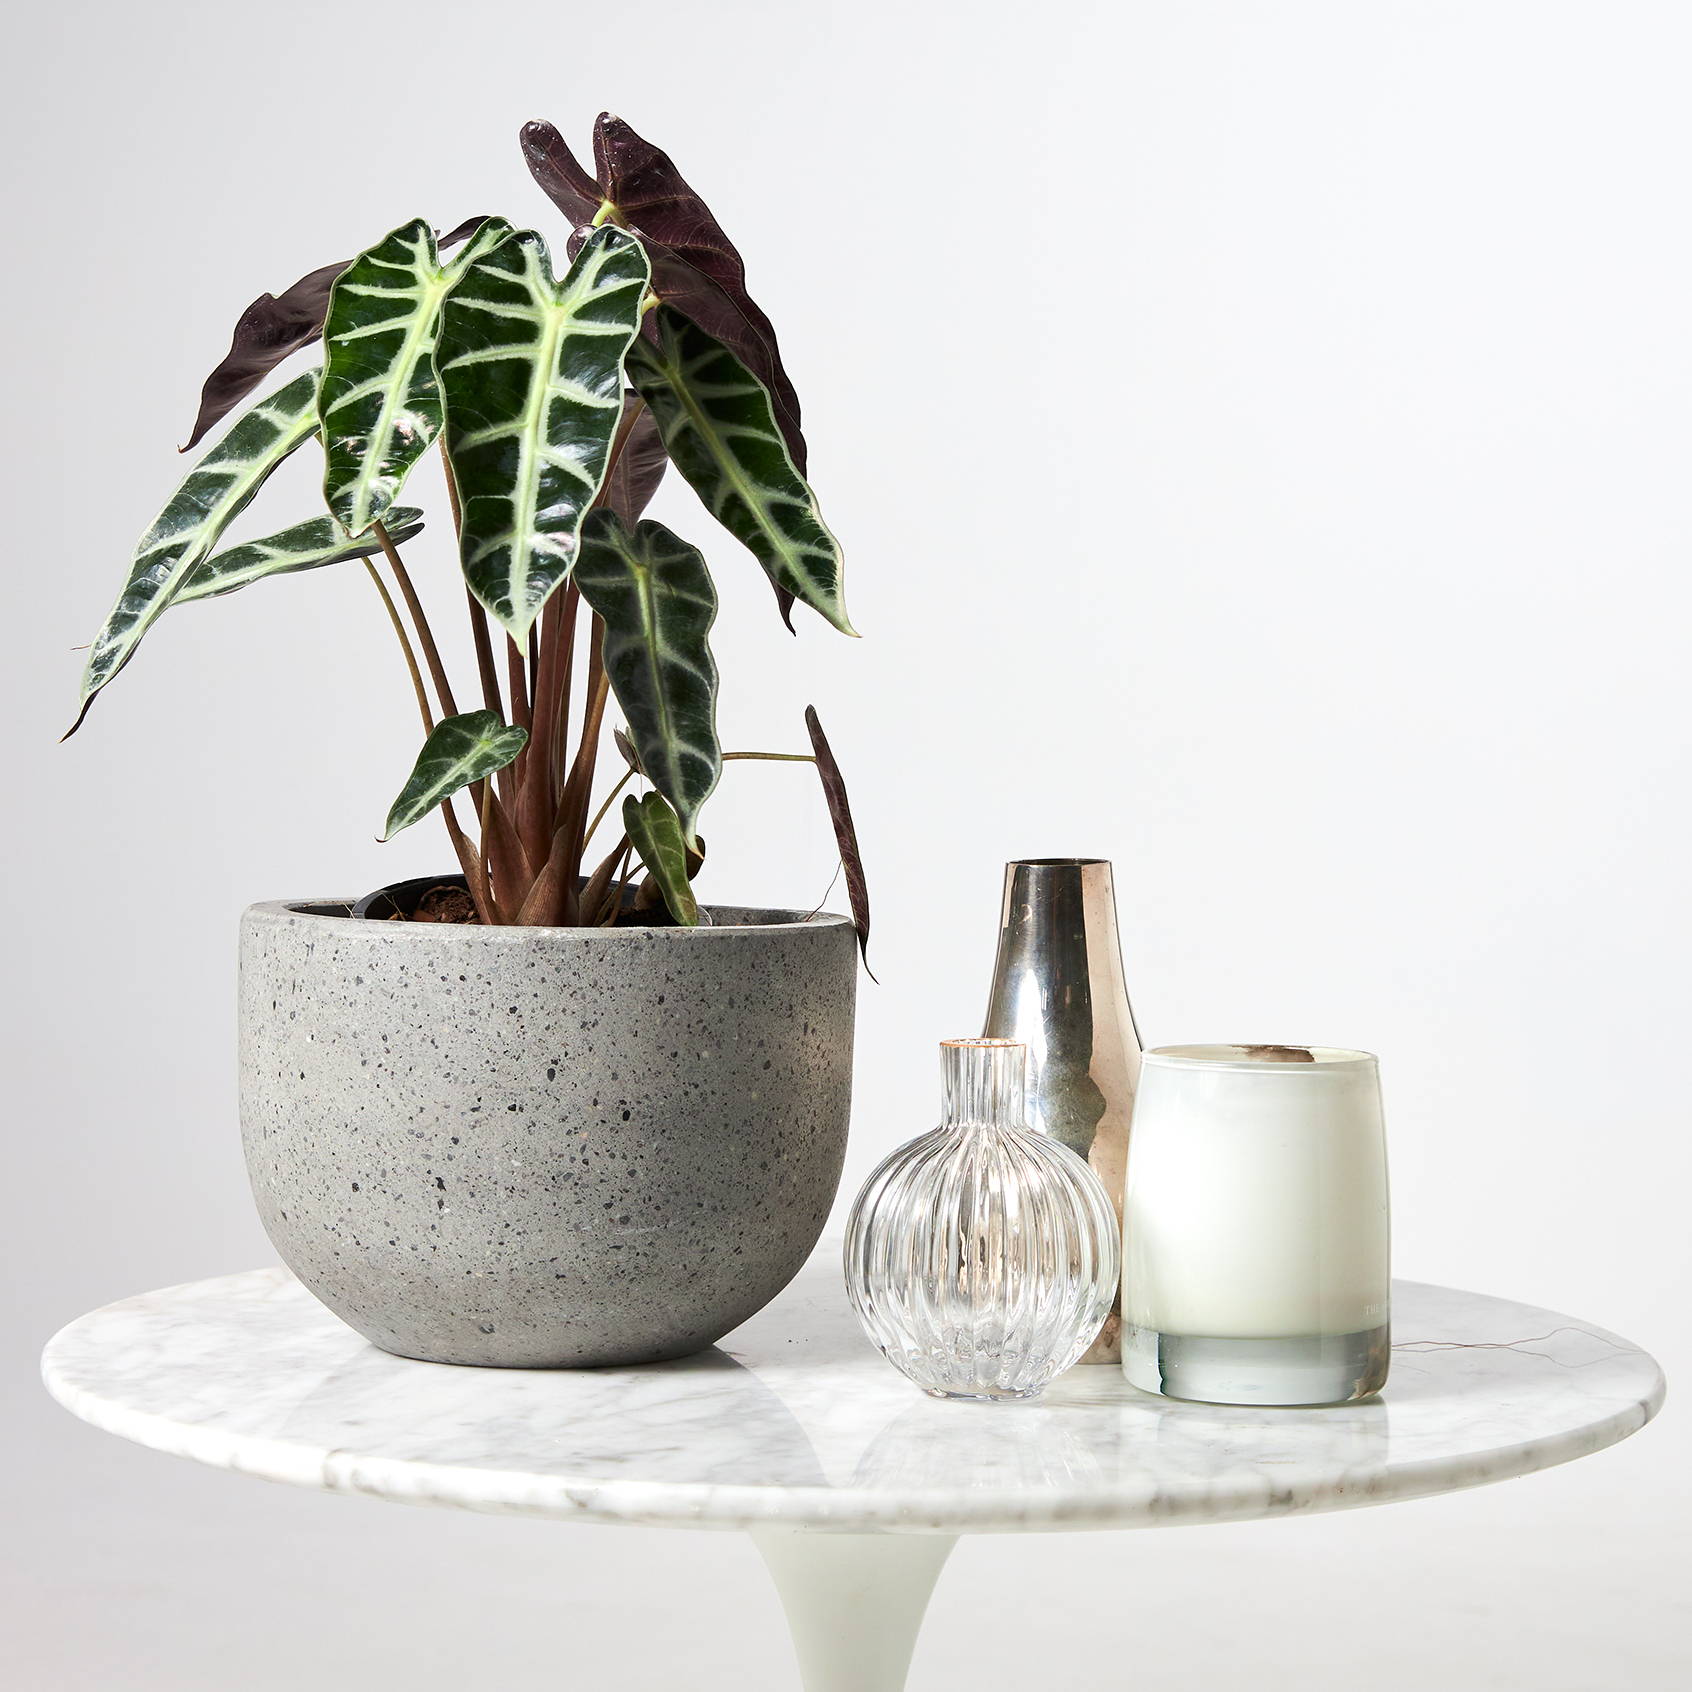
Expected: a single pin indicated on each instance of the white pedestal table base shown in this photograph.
(854, 1601)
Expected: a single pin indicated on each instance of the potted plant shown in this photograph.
(550, 1111)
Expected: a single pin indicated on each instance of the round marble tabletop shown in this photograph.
(794, 1421)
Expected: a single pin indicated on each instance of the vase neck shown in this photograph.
(982, 1081)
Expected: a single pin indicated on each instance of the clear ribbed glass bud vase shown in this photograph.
(982, 1258)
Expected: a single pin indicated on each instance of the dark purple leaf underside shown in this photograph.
(271, 328)
(700, 273)
(845, 835)
(561, 178)
(695, 266)
(641, 463)
(697, 269)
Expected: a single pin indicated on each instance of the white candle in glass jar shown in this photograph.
(1255, 1211)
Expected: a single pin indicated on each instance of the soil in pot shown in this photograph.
(446, 898)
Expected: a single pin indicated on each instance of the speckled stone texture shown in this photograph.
(544, 1148)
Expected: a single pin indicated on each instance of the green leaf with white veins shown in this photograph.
(213, 494)
(655, 832)
(461, 750)
(655, 595)
(720, 429)
(532, 371)
(305, 546)
(379, 404)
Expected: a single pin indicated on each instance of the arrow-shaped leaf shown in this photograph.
(271, 328)
(717, 423)
(532, 374)
(695, 266)
(214, 492)
(845, 835)
(379, 404)
(655, 595)
(655, 832)
(461, 750)
(304, 546)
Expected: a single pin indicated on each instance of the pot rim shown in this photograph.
(334, 910)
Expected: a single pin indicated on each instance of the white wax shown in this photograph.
(1256, 1201)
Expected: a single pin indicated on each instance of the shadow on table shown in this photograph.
(700, 1419)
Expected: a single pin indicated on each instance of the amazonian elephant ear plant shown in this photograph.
(557, 402)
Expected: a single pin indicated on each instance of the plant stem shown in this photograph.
(485, 667)
(514, 868)
(522, 707)
(578, 790)
(489, 676)
(453, 499)
(538, 909)
(839, 865)
(553, 898)
(508, 863)
(475, 872)
(512, 777)
(425, 635)
(499, 839)
(486, 670)
(593, 894)
(614, 899)
(469, 860)
(538, 801)
(554, 664)
(405, 646)
(771, 757)
(568, 616)
(599, 815)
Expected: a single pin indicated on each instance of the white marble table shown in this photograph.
(853, 1483)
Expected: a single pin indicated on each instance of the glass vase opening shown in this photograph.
(983, 1081)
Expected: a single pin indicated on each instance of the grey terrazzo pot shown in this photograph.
(544, 1147)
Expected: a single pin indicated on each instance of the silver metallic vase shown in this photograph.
(1058, 987)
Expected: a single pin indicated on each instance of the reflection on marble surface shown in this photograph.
(796, 1420)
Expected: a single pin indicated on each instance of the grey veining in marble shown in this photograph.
(795, 1421)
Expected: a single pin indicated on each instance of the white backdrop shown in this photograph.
(1262, 438)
